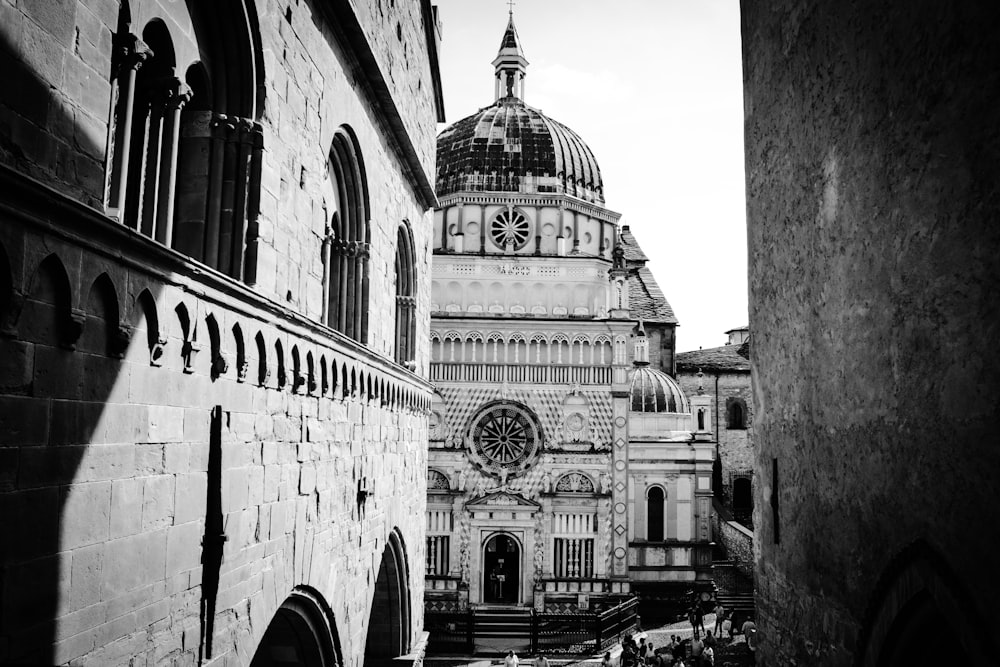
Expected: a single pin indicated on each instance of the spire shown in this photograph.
(510, 44)
(510, 64)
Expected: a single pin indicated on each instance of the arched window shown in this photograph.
(736, 414)
(406, 292)
(345, 248)
(654, 514)
(184, 164)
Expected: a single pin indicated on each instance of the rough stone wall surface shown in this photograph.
(305, 105)
(738, 542)
(872, 154)
(54, 108)
(54, 126)
(104, 460)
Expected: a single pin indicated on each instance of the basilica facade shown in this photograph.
(566, 467)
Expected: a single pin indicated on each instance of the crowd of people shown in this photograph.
(696, 651)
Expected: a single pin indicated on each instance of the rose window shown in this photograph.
(510, 228)
(504, 436)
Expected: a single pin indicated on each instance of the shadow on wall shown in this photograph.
(39, 132)
(67, 488)
(62, 350)
(73, 326)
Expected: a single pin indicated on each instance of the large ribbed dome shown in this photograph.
(655, 391)
(511, 147)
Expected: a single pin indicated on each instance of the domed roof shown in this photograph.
(511, 147)
(655, 391)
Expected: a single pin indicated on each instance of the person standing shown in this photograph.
(726, 629)
(720, 615)
(511, 660)
(698, 625)
(541, 661)
(697, 648)
(607, 661)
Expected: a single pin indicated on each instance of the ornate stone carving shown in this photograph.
(156, 352)
(504, 439)
(437, 480)
(575, 482)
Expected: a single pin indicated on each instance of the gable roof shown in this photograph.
(724, 358)
(646, 299)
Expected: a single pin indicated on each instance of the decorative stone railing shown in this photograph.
(520, 374)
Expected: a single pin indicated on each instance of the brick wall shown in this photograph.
(872, 161)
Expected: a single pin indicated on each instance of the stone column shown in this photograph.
(132, 54)
(619, 472)
(219, 130)
(460, 235)
(325, 307)
(576, 234)
(176, 95)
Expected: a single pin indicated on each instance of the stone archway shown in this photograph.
(301, 633)
(501, 570)
(922, 613)
(389, 621)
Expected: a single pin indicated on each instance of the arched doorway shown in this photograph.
(300, 634)
(501, 570)
(389, 622)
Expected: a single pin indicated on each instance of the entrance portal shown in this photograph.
(502, 567)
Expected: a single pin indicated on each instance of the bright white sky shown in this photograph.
(655, 88)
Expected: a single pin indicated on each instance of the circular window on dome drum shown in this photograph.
(504, 437)
(510, 229)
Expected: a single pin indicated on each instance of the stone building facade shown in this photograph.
(872, 167)
(566, 468)
(724, 373)
(214, 294)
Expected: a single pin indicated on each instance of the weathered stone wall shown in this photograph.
(735, 445)
(872, 155)
(106, 396)
(305, 105)
(738, 543)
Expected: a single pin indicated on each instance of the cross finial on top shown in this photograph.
(510, 7)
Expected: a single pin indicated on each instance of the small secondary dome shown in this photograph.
(511, 147)
(655, 391)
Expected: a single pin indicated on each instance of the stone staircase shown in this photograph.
(734, 590)
(502, 629)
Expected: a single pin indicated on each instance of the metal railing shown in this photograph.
(470, 631)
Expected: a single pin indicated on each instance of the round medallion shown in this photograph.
(504, 435)
(434, 420)
(510, 228)
(620, 422)
(619, 508)
(575, 422)
(619, 465)
(619, 553)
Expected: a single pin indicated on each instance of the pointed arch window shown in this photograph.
(406, 293)
(345, 248)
